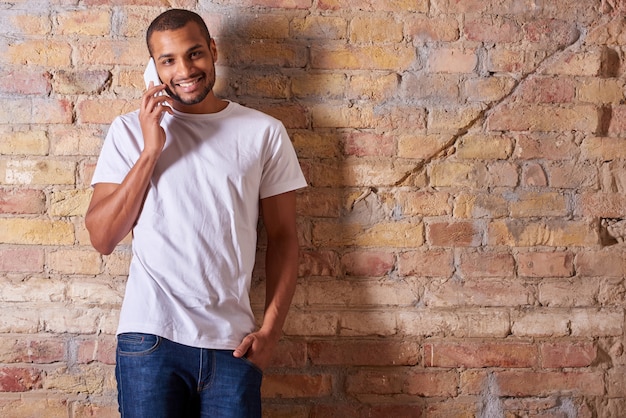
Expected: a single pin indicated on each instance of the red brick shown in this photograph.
(19, 379)
(22, 260)
(480, 354)
(601, 263)
(363, 353)
(290, 353)
(24, 81)
(557, 146)
(362, 144)
(22, 201)
(568, 354)
(544, 118)
(545, 264)
(601, 205)
(290, 386)
(402, 381)
(547, 90)
(476, 292)
(373, 5)
(350, 410)
(529, 383)
(101, 350)
(454, 234)
(486, 264)
(551, 33)
(432, 263)
(492, 29)
(319, 263)
(368, 263)
(32, 349)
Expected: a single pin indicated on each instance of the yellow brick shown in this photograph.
(118, 263)
(375, 29)
(488, 89)
(36, 231)
(95, 290)
(266, 26)
(104, 110)
(95, 22)
(446, 60)
(341, 116)
(319, 27)
(310, 144)
(480, 206)
(424, 203)
(74, 261)
(70, 202)
(373, 172)
(41, 53)
(486, 147)
(384, 234)
(600, 91)
(375, 87)
(420, 146)
(451, 119)
(37, 172)
(551, 233)
(32, 24)
(391, 57)
(327, 85)
(538, 204)
(32, 142)
(577, 63)
(76, 140)
(452, 174)
(604, 149)
(112, 52)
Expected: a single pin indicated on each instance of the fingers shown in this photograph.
(154, 104)
(243, 348)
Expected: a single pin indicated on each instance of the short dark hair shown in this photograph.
(175, 19)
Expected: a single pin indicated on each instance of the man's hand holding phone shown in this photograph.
(154, 104)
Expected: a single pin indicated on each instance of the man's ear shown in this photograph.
(213, 49)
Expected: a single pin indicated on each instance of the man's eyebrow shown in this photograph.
(193, 48)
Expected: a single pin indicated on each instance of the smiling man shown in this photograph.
(188, 174)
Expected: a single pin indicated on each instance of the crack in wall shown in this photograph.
(449, 148)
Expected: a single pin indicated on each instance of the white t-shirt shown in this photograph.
(194, 243)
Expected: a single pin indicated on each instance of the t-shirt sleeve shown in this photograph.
(115, 159)
(281, 171)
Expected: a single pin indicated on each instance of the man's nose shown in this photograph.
(184, 67)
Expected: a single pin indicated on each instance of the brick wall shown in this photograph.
(467, 170)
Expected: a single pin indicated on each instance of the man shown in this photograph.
(188, 173)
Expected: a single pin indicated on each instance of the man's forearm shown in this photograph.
(114, 209)
(281, 276)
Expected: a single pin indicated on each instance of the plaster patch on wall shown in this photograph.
(20, 172)
(491, 404)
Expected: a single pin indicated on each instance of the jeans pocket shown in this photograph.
(252, 365)
(137, 344)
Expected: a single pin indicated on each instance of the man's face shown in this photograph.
(185, 62)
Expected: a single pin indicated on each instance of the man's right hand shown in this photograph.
(153, 106)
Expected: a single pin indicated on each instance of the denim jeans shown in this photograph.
(158, 378)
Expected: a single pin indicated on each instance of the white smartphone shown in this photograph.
(151, 74)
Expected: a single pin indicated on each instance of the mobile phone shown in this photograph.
(151, 74)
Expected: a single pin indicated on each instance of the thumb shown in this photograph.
(242, 348)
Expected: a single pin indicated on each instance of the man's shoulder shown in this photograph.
(245, 111)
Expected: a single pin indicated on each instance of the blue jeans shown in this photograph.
(158, 378)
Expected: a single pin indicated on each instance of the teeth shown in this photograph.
(189, 84)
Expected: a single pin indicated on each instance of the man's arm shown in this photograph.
(114, 208)
(279, 218)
